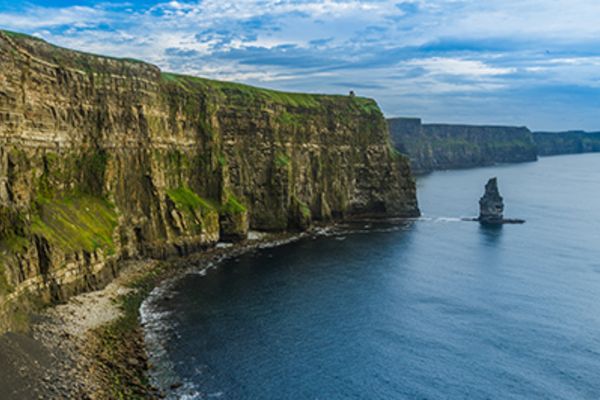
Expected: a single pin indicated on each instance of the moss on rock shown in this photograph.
(76, 222)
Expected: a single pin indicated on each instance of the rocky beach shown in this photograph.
(92, 346)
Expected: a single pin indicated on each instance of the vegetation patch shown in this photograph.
(290, 119)
(282, 160)
(237, 93)
(76, 222)
(222, 160)
(186, 200)
(232, 205)
(368, 106)
(304, 209)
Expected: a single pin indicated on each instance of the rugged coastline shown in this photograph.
(432, 147)
(104, 160)
(109, 166)
(93, 345)
(445, 146)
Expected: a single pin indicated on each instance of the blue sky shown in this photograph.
(517, 62)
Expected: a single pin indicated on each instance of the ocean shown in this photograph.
(435, 308)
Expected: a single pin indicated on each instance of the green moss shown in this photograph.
(282, 160)
(189, 204)
(222, 160)
(232, 205)
(76, 222)
(304, 210)
(14, 244)
(186, 200)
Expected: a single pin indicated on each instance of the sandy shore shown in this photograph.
(92, 347)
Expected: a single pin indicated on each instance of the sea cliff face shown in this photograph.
(572, 142)
(440, 146)
(103, 159)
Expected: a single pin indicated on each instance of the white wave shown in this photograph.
(448, 219)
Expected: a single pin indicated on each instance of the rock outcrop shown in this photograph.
(103, 159)
(491, 204)
(439, 146)
(491, 207)
(572, 142)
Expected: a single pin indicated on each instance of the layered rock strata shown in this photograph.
(103, 159)
(440, 146)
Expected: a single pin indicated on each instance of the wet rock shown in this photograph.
(491, 205)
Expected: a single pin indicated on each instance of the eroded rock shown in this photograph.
(491, 205)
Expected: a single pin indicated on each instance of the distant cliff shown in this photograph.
(572, 142)
(439, 146)
(103, 159)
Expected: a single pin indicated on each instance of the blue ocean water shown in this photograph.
(432, 309)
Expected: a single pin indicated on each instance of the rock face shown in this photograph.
(438, 146)
(103, 159)
(572, 142)
(491, 205)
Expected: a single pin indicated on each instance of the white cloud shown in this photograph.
(483, 46)
(458, 67)
(42, 17)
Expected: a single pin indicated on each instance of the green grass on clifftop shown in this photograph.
(235, 93)
(242, 93)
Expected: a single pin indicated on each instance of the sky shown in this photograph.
(532, 63)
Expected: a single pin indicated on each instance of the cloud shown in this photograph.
(433, 58)
(41, 17)
(458, 67)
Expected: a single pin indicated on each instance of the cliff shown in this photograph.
(572, 142)
(104, 159)
(438, 146)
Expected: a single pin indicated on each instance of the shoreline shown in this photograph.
(93, 347)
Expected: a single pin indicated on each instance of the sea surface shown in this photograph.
(436, 308)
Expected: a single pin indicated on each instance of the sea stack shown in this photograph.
(491, 205)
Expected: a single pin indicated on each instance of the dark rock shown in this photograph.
(491, 205)
(572, 142)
